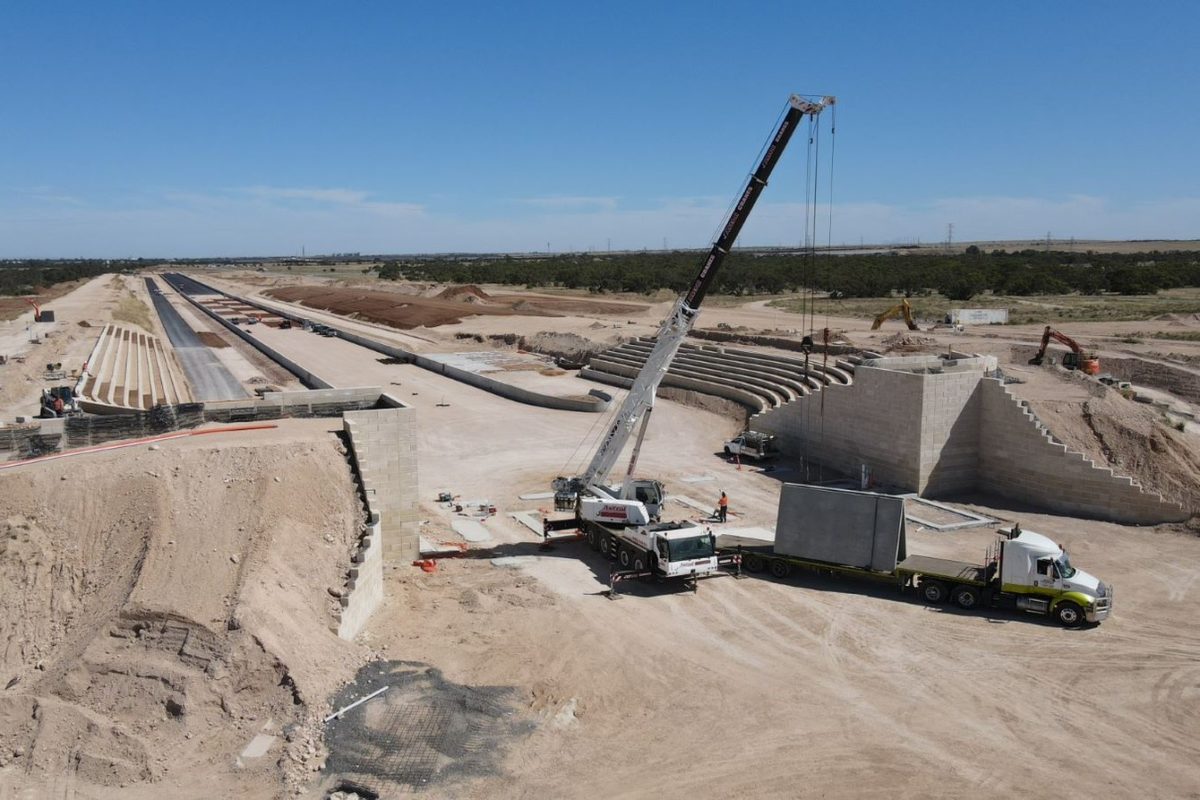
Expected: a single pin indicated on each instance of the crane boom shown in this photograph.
(640, 400)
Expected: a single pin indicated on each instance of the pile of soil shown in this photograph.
(468, 293)
(908, 343)
(1134, 439)
(163, 608)
(569, 347)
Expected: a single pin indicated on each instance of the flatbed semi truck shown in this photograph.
(862, 535)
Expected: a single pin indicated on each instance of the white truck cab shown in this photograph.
(1040, 574)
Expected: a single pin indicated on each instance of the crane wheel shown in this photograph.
(591, 539)
(623, 557)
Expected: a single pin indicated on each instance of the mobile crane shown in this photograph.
(623, 521)
(1076, 359)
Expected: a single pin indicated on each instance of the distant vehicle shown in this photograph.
(752, 444)
(862, 534)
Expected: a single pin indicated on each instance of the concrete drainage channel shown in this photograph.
(597, 401)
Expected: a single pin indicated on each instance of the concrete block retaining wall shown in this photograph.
(363, 592)
(385, 453)
(952, 432)
(1019, 459)
(873, 422)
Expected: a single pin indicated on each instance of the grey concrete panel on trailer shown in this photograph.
(841, 526)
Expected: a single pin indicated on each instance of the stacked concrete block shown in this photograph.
(385, 447)
(363, 592)
(873, 422)
(941, 432)
(1019, 459)
(949, 424)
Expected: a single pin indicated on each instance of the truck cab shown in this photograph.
(1040, 574)
(674, 549)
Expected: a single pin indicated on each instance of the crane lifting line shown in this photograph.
(596, 430)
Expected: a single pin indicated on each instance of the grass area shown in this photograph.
(1021, 310)
(129, 308)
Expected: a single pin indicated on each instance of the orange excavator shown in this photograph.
(904, 308)
(1076, 359)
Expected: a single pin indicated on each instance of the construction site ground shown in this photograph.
(812, 686)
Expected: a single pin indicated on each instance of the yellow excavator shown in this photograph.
(903, 308)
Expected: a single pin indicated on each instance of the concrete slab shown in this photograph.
(258, 746)
(858, 529)
(536, 496)
(683, 499)
(698, 478)
(471, 530)
(530, 519)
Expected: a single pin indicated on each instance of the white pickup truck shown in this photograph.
(751, 444)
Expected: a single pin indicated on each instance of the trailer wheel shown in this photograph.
(623, 556)
(1068, 614)
(933, 591)
(780, 569)
(591, 537)
(965, 596)
(753, 562)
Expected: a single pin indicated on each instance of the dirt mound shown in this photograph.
(163, 608)
(1134, 439)
(569, 347)
(469, 293)
(908, 343)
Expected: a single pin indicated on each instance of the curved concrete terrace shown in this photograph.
(759, 381)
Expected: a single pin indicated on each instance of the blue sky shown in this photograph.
(193, 129)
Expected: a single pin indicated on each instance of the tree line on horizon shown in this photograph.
(958, 276)
(31, 276)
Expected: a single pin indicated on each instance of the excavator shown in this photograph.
(903, 308)
(1076, 359)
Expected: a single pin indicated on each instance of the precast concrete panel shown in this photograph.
(841, 526)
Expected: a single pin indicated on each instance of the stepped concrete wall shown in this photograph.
(1019, 459)
(945, 432)
(384, 441)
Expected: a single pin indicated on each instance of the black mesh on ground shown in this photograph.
(423, 730)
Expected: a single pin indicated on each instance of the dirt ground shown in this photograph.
(164, 607)
(404, 310)
(809, 687)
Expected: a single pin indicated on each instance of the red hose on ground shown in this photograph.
(135, 442)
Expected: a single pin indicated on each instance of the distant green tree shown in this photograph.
(390, 271)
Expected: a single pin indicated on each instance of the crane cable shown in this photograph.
(828, 254)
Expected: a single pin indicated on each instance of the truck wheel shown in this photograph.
(639, 565)
(623, 557)
(1068, 614)
(965, 596)
(780, 569)
(933, 591)
(591, 537)
(753, 562)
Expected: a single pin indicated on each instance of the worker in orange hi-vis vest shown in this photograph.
(723, 507)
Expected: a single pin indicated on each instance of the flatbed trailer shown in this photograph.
(936, 580)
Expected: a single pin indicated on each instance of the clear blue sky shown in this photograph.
(176, 129)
